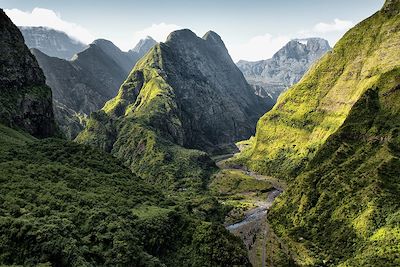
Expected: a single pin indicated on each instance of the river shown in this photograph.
(254, 228)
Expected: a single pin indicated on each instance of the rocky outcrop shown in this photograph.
(25, 100)
(271, 77)
(83, 84)
(51, 42)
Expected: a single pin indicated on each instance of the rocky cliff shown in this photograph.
(271, 77)
(25, 100)
(51, 42)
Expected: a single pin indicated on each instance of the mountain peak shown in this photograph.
(179, 35)
(213, 38)
(143, 46)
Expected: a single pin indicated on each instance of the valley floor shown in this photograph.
(250, 195)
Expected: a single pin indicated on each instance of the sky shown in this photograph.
(251, 29)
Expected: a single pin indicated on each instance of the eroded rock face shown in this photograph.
(26, 101)
(271, 77)
(216, 105)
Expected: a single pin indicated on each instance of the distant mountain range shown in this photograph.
(51, 42)
(271, 77)
(93, 76)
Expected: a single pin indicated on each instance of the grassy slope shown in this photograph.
(143, 130)
(304, 117)
(345, 208)
(73, 205)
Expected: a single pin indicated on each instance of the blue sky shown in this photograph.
(251, 29)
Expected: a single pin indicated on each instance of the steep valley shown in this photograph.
(165, 156)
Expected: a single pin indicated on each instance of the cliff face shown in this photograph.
(26, 101)
(273, 76)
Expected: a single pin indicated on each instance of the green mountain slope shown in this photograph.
(345, 207)
(303, 119)
(338, 133)
(184, 94)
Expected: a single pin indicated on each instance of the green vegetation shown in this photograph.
(289, 136)
(238, 192)
(345, 206)
(67, 204)
(335, 137)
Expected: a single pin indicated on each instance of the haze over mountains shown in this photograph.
(271, 77)
(51, 42)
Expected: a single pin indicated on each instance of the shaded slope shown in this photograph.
(288, 136)
(25, 100)
(85, 83)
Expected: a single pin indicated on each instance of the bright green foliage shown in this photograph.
(72, 205)
(345, 207)
(303, 119)
(141, 127)
(230, 182)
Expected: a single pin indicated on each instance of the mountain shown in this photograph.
(51, 42)
(184, 94)
(83, 84)
(65, 204)
(335, 135)
(271, 77)
(25, 100)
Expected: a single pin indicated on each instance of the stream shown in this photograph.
(258, 213)
(254, 227)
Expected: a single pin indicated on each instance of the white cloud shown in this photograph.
(337, 25)
(258, 47)
(264, 46)
(49, 18)
(158, 31)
